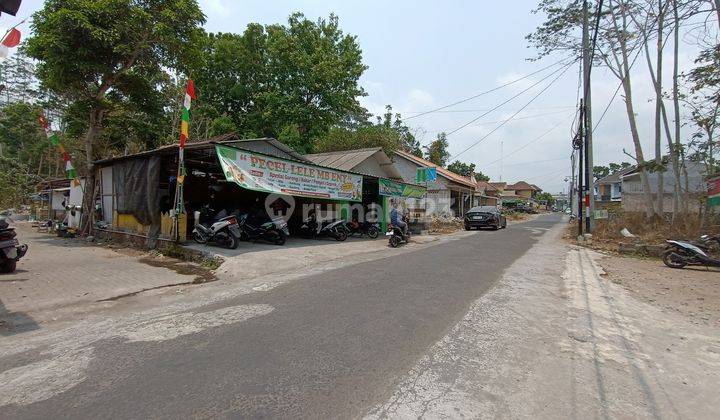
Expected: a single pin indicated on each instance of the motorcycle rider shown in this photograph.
(396, 217)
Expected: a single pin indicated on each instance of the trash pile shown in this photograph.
(444, 224)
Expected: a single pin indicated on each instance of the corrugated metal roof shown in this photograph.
(343, 159)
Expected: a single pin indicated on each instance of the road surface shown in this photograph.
(505, 324)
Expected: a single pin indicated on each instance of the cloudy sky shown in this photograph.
(427, 54)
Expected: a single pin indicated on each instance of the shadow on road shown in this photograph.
(12, 323)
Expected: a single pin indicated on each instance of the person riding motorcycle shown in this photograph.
(396, 218)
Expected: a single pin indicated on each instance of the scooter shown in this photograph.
(397, 236)
(680, 253)
(275, 231)
(335, 229)
(10, 249)
(366, 228)
(223, 231)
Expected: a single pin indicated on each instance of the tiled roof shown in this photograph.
(615, 176)
(498, 185)
(440, 170)
(521, 186)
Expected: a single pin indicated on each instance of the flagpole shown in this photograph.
(180, 180)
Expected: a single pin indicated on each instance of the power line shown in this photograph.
(515, 119)
(486, 92)
(563, 69)
(526, 144)
(487, 109)
(532, 162)
(515, 114)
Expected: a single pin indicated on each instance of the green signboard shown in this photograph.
(396, 189)
(275, 175)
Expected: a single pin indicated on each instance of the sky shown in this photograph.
(427, 54)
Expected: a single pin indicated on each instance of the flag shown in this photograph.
(12, 39)
(10, 6)
(69, 168)
(185, 119)
(426, 174)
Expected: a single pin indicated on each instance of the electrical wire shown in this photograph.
(525, 145)
(561, 69)
(516, 113)
(486, 92)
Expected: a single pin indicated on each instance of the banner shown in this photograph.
(396, 189)
(275, 175)
(426, 175)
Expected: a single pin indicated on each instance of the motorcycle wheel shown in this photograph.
(340, 235)
(373, 232)
(232, 242)
(280, 239)
(197, 237)
(394, 241)
(670, 262)
(8, 266)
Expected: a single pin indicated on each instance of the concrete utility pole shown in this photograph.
(587, 65)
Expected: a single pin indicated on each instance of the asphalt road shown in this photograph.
(334, 344)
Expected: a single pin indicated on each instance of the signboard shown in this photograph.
(426, 174)
(275, 175)
(601, 214)
(397, 189)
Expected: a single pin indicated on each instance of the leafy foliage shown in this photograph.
(16, 182)
(437, 152)
(546, 197)
(292, 81)
(461, 168)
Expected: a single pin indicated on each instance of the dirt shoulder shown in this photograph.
(691, 292)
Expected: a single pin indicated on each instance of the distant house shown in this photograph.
(608, 190)
(450, 195)
(523, 189)
(632, 192)
(488, 193)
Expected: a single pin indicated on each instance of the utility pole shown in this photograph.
(579, 146)
(587, 100)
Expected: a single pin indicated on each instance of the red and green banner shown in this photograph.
(55, 141)
(185, 119)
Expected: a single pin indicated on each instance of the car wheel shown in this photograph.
(467, 227)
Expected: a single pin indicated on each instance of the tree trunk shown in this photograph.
(658, 110)
(94, 128)
(676, 106)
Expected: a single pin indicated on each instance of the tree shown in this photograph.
(600, 171)
(617, 40)
(479, 176)
(98, 54)
(16, 182)
(461, 168)
(614, 167)
(437, 152)
(546, 197)
(304, 75)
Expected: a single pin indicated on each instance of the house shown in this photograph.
(523, 190)
(449, 195)
(488, 193)
(608, 190)
(371, 161)
(692, 182)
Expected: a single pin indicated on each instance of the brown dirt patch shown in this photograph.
(692, 292)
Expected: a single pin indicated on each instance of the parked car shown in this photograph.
(485, 217)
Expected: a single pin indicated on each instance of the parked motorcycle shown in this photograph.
(273, 231)
(10, 249)
(682, 253)
(397, 236)
(362, 229)
(335, 229)
(222, 230)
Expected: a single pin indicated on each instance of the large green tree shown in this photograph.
(299, 79)
(462, 168)
(98, 53)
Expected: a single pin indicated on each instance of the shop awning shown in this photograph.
(400, 189)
